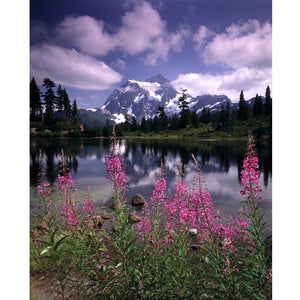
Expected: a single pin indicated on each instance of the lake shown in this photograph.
(220, 162)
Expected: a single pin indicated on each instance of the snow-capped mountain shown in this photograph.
(142, 99)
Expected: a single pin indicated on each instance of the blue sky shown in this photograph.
(91, 47)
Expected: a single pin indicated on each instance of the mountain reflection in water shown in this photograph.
(220, 162)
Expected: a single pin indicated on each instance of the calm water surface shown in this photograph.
(220, 162)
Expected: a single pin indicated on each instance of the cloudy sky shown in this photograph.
(91, 47)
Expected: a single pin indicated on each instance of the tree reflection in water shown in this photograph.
(220, 162)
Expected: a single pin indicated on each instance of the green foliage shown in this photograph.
(35, 101)
(185, 113)
(243, 113)
(268, 102)
(258, 107)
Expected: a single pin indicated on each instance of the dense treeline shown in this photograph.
(52, 110)
(57, 114)
(223, 121)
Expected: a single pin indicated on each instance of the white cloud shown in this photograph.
(251, 81)
(245, 50)
(201, 36)
(142, 31)
(86, 34)
(162, 46)
(70, 68)
(245, 45)
(139, 28)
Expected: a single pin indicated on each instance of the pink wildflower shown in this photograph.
(250, 175)
(88, 206)
(159, 192)
(116, 172)
(179, 211)
(43, 188)
(66, 184)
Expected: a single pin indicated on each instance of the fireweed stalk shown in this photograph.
(204, 209)
(88, 207)
(44, 204)
(116, 173)
(122, 241)
(44, 189)
(144, 227)
(250, 176)
(157, 202)
(217, 238)
(211, 225)
(251, 192)
(66, 184)
(179, 212)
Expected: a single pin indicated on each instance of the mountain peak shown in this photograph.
(142, 99)
(158, 78)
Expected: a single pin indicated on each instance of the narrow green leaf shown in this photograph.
(45, 250)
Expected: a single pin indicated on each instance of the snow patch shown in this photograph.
(119, 118)
(150, 87)
(217, 103)
(138, 98)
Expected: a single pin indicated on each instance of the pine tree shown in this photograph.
(155, 124)
(195, 119)
(134, 124)
(228, 117)
(174, 122)
(74, 111)
(145, 125)
(243, 108)
(60, 101)
(49, 98)
(203, 115)
(221, 121)
(258, 107)
(185, 113)
(268, 102)
(127, 124)
(163, 119)
(35, 101)
(66, 105)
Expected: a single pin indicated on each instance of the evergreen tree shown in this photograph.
(134, 124)
(145, 125)
(105, 131)
(208, 117)
(74, 111)
(155, 124)
(49, 98)
(35, 101)
(195, 119)
(268, 102)
(258, 107)
(60, 101)
(228, 118)
(185, 113)
(66, 105)
(163, 119)
(243, 108)
(127, 124)
(174, 122)
(203, 115)
(221, 121)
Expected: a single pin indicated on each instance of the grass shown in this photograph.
(154, 258)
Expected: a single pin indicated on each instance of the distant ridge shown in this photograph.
(142, 99)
